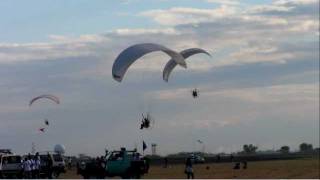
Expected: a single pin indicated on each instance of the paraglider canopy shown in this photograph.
(41, 129)
(133, 53)
(59, 148)
(171, 64)
(46, 96)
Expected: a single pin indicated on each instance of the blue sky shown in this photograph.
(31, 21)
(261, 85)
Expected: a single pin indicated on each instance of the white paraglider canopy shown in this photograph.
(133, 53)
(59, 148)
(171, 64)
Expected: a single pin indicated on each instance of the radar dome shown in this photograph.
(59, 148)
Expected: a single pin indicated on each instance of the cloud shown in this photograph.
(130, 32)
(181, 15)
(226, 2)
(295, 2)
(234, 35)
(270, 94)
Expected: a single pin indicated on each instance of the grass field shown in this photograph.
(302, 168)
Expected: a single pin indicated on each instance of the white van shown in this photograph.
(10, 166)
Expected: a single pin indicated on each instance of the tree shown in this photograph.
(285, 149)
(249, 149)
(305, 147)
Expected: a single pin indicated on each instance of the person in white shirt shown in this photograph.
(27, 168)
(32, 168)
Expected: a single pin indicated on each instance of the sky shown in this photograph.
(261, 85)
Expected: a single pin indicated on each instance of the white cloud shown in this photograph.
(273, 94)
(264, 8)
(269, 94)
(295, 2)
(167, 31)
(223, 29)
(181, 15)
(226, 2)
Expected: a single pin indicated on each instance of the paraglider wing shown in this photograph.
(48, 96)
(132, 53)
(171, 64)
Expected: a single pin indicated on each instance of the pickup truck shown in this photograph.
(123, 163)
(126, 164)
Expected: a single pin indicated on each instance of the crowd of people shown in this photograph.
(34, 168)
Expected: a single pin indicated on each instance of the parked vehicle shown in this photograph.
(197, 159)
(126, 164)
(123, 163)
(58, 163)
(10, 166)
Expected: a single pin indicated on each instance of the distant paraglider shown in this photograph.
(133, 53)
(171, 64)
(53, 98)
(146, 122)
(42, 130)
(195, 93)
(47, 96)
(46, 122)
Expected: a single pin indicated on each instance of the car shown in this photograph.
(197, 159)
(11, 166)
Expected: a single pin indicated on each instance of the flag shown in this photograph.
(144, 145)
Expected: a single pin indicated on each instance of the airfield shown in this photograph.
(307, 168)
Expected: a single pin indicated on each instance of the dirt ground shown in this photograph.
(288, 169)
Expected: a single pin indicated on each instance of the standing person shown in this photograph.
(69, 163)
(26, 168)
(165, 162)
(231, 157)
(49, 166)
(244, 164)
(189, 169)
(147, 164)
(33, 167)
(37, 164)
(218, 158)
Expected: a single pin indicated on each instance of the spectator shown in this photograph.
(189, 169)
(49, 166)
(26, 168)
(37, 166)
